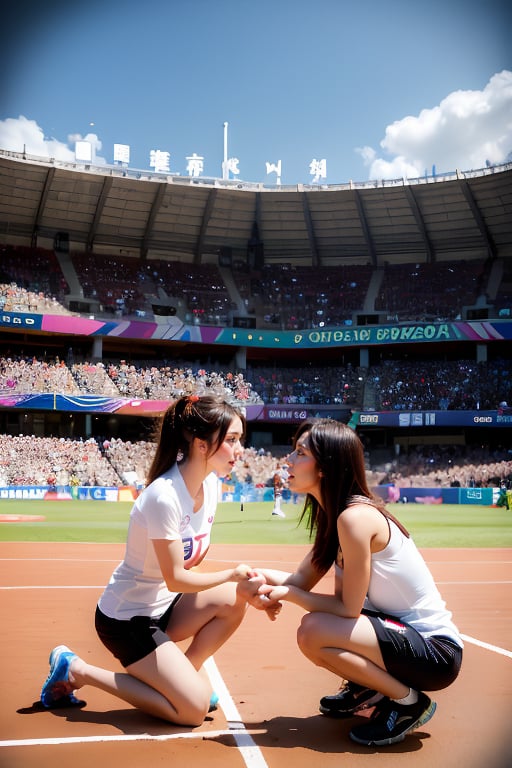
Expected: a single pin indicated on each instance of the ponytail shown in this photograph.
(207, 418)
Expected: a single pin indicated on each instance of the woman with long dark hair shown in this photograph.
(156, 597)
(385, 629)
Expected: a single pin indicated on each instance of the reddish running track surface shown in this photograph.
(268, 691)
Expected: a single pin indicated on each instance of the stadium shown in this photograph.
(304, 209)
(386, 304)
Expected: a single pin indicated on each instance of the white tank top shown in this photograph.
(401, 584)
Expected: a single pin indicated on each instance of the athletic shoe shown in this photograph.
(58, 649)
(351, 699)
(279, 513)
(60, 659)
(214, 702)
(66, 701)
(391, 722)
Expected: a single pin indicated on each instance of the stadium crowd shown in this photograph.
(30, 460)
(14, 298)
(392, 385)
(111, 461)
(432, 292)
(32, 280)
(441, 385)
(439, 466)
(300, 297)
(55, 462)
(281, 296)
(29, 375)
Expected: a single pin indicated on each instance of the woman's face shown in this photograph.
(222, 462)
(304, 474)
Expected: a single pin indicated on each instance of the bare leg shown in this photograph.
(164, 684)
(209, 618)
(349, 648)
(169, 683)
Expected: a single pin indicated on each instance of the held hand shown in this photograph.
(248, 589)
(253, 591)
(260, 598)
(273, 594)
(242, 572)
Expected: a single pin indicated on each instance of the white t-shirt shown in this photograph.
(164, 510)
(402, 585)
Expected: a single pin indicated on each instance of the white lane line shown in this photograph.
(57, 586)
(59, 561)
(473, 583)
(53, 586)
(487, 646)
(250, 752)
(120, 737)
(102, 586)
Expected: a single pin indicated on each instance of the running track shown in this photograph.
(268, 692)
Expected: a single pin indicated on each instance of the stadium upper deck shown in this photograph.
(111, 209)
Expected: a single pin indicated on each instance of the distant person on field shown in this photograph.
(385, 628)
(505, 496)
(279, 480)
(157, 596)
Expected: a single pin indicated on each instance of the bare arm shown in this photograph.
(309, 601)
(305, 575)
(258, 588)
(170, 556)
(356, 530)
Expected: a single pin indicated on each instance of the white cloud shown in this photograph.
(467, 130)
(24, 135)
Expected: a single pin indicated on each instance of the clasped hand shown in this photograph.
(263, 596)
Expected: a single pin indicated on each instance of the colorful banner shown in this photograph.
(67, 493)
(247, 492)
(408, 419)
(291, 414)
(175, 329)
(392, 494)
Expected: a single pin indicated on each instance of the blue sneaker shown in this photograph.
(60, 659)
(66, 701)
(214, 702)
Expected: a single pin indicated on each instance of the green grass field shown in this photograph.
(436, 525)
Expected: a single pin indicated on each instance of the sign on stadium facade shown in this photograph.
(406, 333)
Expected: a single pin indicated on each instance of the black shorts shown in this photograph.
(422, 663)
(132, 640)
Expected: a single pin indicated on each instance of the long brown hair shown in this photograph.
(339, 455)
(207, 417)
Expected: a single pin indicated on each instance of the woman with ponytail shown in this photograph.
(157, 598)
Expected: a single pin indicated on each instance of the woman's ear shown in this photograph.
(202, 445)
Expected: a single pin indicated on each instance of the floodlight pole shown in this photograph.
(225, 163)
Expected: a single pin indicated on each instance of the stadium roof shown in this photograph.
(114, 209)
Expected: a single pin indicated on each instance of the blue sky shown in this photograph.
(377, 89)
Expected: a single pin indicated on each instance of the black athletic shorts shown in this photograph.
(422, 663)
(132, 640)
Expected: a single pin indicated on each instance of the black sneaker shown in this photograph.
(391, 722)
(351, 699)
